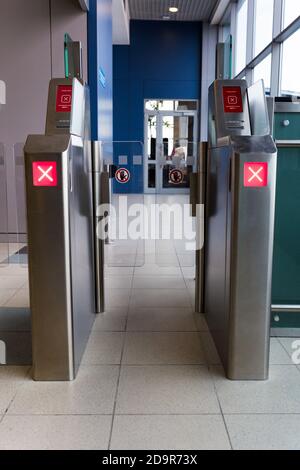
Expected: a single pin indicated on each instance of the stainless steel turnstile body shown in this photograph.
(240, 205)
(60, 233)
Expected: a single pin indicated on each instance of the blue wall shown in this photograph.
(162, 61)
(101, 68)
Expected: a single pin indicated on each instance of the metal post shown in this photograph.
(98, 241)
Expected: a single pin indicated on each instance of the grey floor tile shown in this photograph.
(169, 433)
(187, 260)
(11, 379)
(116, 298)
(111, 320)
(118, 282)
(161, 319)
(19, 300)
(200, 322)
(12, 282)
(158, 283)
(159, 298)
(292, 347)
(55, 432)
(278, 354)
(166, 390)
(163, 348)
(103, 348)
(264, 432)
(280, 394)
(160, 259)
(8, 391)
(155, 270)
(6, 294)
(189, 272)
(112, 271)
(92, 392)
(14, 373)
(211, 354)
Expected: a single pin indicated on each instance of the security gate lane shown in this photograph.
(58, 170)
(234, 269)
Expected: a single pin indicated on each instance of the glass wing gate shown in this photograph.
(171, 157)
(125, 224)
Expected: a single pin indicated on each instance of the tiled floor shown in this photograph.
(151, 377)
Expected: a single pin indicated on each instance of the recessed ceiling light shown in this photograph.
(173, 9)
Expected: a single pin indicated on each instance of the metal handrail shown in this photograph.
(286, 308)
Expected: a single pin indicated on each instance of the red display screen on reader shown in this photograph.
(233, 101)
(64, 98)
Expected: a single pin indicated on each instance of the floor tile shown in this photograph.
(161, 319)
(292, 347)
(280, 394)
(278, 354)
(169, 433)
(112, 320)
(19, 300)
(166, 390)
(111, 271)
(55, 432)
(164, 260)
(14, 373)
(118, 282)
(163, 348)
(13, 270)
(158, 283)
(103, 348)
(187, 259)
(11, 379)
(12, 282)
(264, 432)
(200, 322)
(159, 298)
(6, 294)
(154, 270)
(116, 298)
(209, 348)
(121, 260)
(189, 272)
(92, 392)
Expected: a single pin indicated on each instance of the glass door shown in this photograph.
(177, 152)
(171, 151)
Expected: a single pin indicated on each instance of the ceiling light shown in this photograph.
(173, 9)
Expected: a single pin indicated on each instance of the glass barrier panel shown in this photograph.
(20, 256)
(123, 160)
(175, 227)
(4, 236)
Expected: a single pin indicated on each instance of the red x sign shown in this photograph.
(44, 173)
(255, 175)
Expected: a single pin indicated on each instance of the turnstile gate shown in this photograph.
(238, 248)
(60, 233)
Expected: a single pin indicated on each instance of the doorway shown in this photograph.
(171, 136)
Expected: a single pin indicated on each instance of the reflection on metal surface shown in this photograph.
(60, 239)
(239, 236)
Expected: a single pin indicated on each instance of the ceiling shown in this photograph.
(189, 10)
